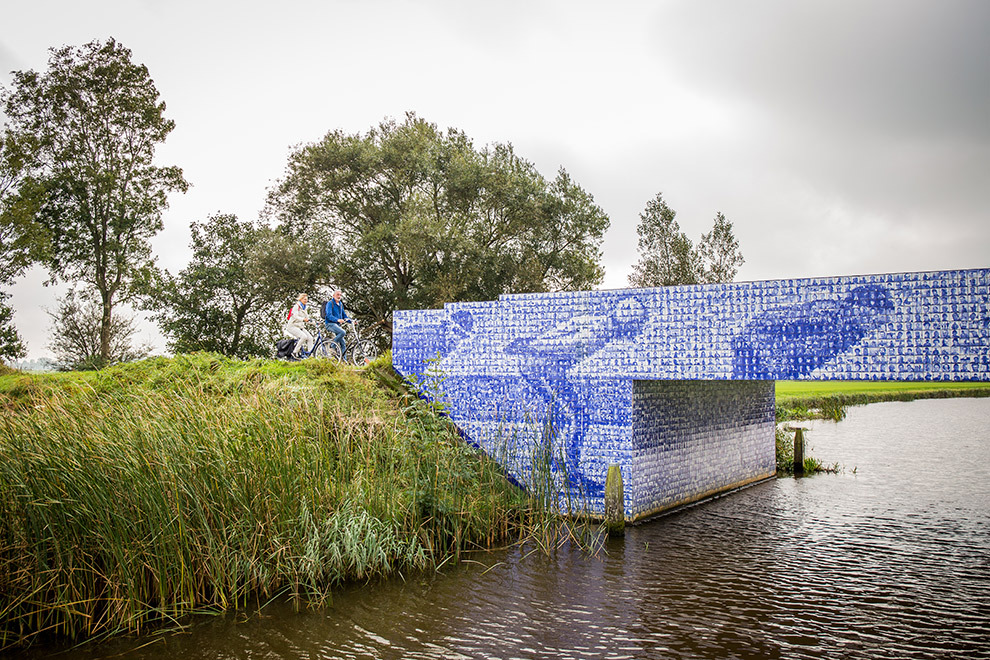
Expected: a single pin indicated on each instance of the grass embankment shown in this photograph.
(800, 399)
(151, 490)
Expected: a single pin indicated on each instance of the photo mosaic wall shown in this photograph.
(576, 363)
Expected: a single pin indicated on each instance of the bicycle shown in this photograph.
(360, 351)
(322, 347)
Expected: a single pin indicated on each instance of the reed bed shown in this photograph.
(148, 491)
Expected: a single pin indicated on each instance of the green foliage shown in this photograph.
(285, 265)
(719, 253)
(825, 408)
(86, 131)
(854, 392)
(77, 332)
(152, 489)
(785, 456)
(809, 400)
(11, 344)
(413, 217)
(799, 400)
(667, 257)
(814, 466)
(22, 241)
(228, 299)
(784, 442)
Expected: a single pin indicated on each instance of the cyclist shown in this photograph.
(295, 326)
(333, 316)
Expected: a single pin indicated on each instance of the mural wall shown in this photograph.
(571, 365)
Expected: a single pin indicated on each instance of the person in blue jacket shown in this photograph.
(333, 316)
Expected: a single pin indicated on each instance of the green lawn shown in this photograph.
(804, 389)
(803, 399)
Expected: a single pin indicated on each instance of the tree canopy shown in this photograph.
(414, 217)
(11, 344)
(228, 299)
(77, 335)
(667, 256)
(719, 252)
(22, 241)
(86, 130)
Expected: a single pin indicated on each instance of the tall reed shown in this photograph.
(531, 453)
(155, 489)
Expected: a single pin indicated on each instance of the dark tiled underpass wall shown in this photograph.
(691, 439)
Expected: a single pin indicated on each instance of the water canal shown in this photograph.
(888, 559)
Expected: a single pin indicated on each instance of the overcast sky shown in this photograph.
(839, 137)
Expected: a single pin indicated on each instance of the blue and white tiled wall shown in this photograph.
(576, 361)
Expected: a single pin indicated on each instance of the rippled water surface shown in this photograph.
(888, 559)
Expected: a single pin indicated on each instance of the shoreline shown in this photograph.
(797, 400)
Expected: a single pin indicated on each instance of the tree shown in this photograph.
(229, 298)
(88, 128)
(77, 335)
(11, 344)
(22, 241)
(719, 251)
(413, 217)
(667, 257)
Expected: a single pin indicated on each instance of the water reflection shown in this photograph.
(891, 560)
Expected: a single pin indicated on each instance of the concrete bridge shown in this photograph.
(676, 384)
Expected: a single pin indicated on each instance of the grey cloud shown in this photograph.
(878, 108)
(879, 66)
(8, 62)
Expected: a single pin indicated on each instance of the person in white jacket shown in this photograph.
(295, 326)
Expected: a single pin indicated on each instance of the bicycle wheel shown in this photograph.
(328, 351)
(370, 350)
(364, 351)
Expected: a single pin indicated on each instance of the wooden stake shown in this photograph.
(615, 507)
(799, 452)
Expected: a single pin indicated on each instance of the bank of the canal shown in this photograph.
(151, 490)
(807, 399)
(884, 561)
(148, 491)
(803, 400)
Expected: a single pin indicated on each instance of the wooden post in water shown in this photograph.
(798, 451)
(615, 507)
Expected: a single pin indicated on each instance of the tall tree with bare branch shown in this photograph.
(88, 127)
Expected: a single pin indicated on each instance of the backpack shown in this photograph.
(326, 308)
(283, 348)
